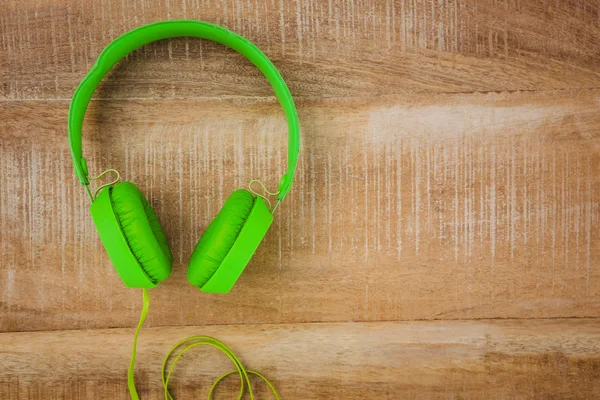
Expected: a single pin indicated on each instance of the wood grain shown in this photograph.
(324, 48)
(387, 360)
(449, 171)
(420, 207)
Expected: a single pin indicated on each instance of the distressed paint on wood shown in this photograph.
(526, 359)
(324, 48)
(406, 206)
(420, 207)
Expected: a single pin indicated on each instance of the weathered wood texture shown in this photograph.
(420, 207)
(385, 360)
(417, 197)
(323, 48)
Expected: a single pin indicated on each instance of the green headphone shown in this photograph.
(128, 227)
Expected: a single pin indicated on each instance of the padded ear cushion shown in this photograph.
(142, 231)
(219, 237)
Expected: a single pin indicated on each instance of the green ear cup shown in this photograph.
(217, 240)
(142, 231)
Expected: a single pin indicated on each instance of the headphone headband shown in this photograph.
(143, 35)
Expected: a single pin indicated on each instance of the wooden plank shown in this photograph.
(527, 359)
(420, 207)
(324, 48)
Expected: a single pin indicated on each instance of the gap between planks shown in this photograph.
(301, 98)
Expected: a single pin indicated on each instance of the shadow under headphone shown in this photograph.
(127, 224)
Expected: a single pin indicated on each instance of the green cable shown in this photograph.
(195, 341)
(130, 380)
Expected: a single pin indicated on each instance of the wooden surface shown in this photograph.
(449, 171)
(380, 360)
(445, 207)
